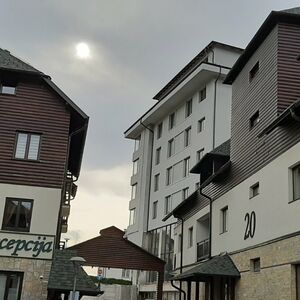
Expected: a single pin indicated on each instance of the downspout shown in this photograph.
(210, 219)
(150, 177)
(58, 230)
(215, 109)
(179, 289)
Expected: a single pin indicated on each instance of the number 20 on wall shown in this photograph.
(250, 220)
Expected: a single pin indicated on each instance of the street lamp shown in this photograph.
(77, 261)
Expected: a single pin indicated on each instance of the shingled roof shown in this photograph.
(221, 266)
(62, 275)
(11, 62)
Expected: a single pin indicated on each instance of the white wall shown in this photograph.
(275, 216)
(46, 203)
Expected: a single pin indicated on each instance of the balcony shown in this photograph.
(202, 249)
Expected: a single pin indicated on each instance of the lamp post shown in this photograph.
(77, 261)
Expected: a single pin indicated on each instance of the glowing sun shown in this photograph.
(83, 51)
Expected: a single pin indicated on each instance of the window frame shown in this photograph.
(186, 166)
(185, 193)
(17, 228)
(202, 94)
(292, 170)
(132, 217)
(159, 130)
(199, 154)
(168, 204)
(169, 176)
(10, 86)
(133, 191)
(21, 279)
(187, 136)
(135, 167)
(171, 147)
(188, 108)
(254, 71)
(156, 182)
(172, 121)
(157, 156)
(255, 265)
(254, 120)
(254, 190)
(154, 209)
(200, 126)
(224, 220)
(27, 147)
(190, 236)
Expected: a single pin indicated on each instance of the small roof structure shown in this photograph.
(218, 266)
(112, 250)
(61, 277)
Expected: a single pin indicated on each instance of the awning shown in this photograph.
(61, 277)
(218, 266)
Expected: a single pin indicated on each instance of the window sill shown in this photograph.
(294, 200)
(251, 197)
(15, 230)
(223, 232)
(27, 160)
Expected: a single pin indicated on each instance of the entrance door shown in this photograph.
(10, 285)
(223, 289)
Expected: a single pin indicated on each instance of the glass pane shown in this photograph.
(25, 214)
(296, 182)
(13, 287)
(11, 90)
(10, 214)
(21, 145)
(2, 285)
(34, 146)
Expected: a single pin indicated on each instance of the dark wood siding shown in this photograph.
(288, 65)
(277, 86)
(34, 108)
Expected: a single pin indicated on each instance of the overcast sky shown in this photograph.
(136, 47)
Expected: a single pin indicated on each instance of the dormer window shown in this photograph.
(8, 89)
(253, 72)
(254, 120)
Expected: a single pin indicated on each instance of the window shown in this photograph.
(202, 94)
(156, 182)
(171, 120)
(190, 237)
(185, 193)
(201, 125)
(255, 264)
(27, 146)
(296, 182)
(133, 191)
(137, 143)
(135, 167)
(224, 219)
(197, 185)
(125, 273)
(186, 167)
(199, 154)
(179, 242)
(188, 108)
(17, 214)
(187, 137)
(10, 285)
(157, 155)
(168, 204)
(7, 89)
(132, 216)
(254, 190)
(171, 147)
(154, 210)
(253, 72)
(169, 176)
(159, 130)
(254, 120)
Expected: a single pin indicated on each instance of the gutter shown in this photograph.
(215, 108)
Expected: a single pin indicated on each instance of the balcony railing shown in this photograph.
(202, 249)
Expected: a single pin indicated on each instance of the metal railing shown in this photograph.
(202, 249)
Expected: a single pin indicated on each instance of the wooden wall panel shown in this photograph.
(34, 108)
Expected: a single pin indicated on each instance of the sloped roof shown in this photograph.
(112, 250)
(190, 67)
(218, 266)
(62, 275)
(291, 16)
(11, 62)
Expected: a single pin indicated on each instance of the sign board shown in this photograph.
(26, 245)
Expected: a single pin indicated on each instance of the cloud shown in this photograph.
(101, 201)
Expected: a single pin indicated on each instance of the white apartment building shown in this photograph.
(190, 118)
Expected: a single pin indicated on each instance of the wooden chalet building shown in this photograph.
(42, 137)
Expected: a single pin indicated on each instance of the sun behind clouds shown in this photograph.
(83, 51)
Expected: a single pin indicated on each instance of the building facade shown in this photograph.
(254, 188)
(42, 136)
(190, 118)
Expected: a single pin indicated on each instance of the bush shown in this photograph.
(111, 281)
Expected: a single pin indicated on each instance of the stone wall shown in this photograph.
(276, 278)
(33, 288)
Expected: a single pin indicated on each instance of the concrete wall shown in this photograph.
(276, 216)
